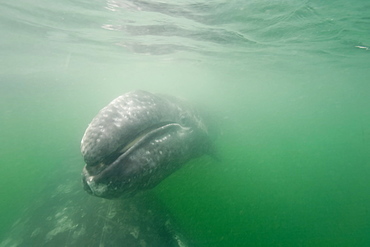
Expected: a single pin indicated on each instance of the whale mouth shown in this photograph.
(142, 137)
(98, 179)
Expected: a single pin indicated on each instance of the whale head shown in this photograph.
(138, 140)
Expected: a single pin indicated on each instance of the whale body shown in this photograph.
(138, 140)
(61, 214)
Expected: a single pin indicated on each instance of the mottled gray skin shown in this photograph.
(62, 215)
(138, 140)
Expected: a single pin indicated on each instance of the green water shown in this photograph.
(287, 81)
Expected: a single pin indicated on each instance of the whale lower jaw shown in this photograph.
(91, 173)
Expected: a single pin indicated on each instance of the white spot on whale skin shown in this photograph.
(63, 223)
(36, 232)
(135, 232)
(362, 47)
(117, 124)
(97, 189)
(89, 180)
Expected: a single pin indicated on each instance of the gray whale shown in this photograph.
(138, 140)
(63, 215)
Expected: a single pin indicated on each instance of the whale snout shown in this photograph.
(155, 136)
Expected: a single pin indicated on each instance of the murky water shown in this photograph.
(287, 82)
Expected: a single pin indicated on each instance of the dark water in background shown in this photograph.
(287, 80)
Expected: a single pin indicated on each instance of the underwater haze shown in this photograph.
(287, 83)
